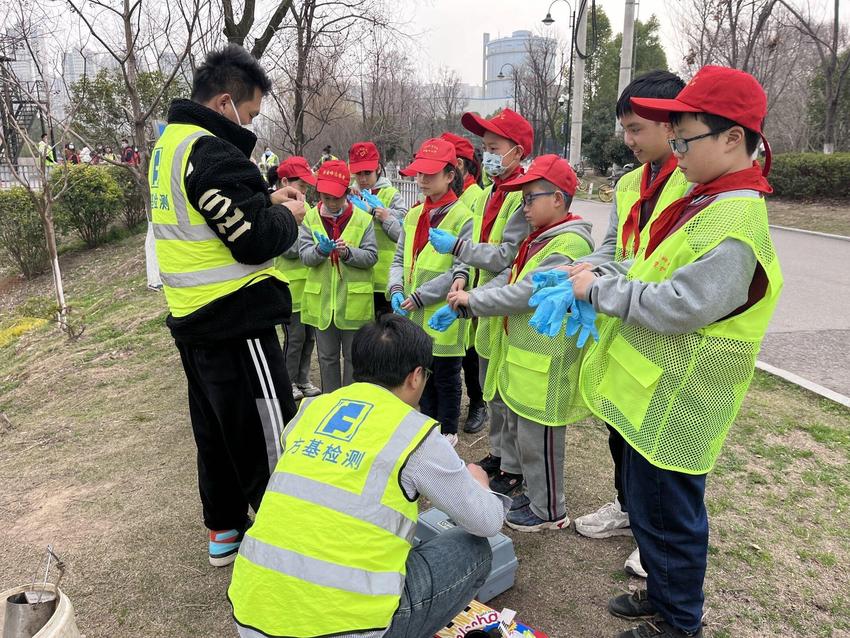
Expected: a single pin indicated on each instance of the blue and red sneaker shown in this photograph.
(224, 545)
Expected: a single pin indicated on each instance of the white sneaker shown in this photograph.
(309, 390)
(633, 565)
(296, 393)
(608, 520)
(451, 438)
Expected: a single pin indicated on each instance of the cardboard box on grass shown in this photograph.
(480, 616)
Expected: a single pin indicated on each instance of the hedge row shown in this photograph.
(811, 175)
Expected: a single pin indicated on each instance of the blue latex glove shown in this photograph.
(442, 241)
(552, 306)
(582, 320)
(359, 203)
(396, 300)
(326, 244)
(548, 279)
(371, 200)
(442, 319)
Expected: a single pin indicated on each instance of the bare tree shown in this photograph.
(238, 32)
(539, 85)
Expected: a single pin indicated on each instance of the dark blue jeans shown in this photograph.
(670, 524)
(443, 575)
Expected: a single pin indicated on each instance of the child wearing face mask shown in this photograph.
(337, 244)
(364, 162)
(500, 227)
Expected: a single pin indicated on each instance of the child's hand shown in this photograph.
(396, 300)
(408, 305)
(582, 280)
(577, 268)
(458, 284)
(381, 214)
(457, 299)
(342, 248)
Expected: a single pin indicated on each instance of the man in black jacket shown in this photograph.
(217, 231)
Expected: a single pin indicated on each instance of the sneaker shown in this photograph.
(224, 545)
(296, 393)
(524, 520)
(309, 390)
(476, 418)
(451, 437)
(631, 606)
(155, 287)
(633, 565)
(490, 464)
(519, 502)
(658, 628)
(506, 483)
(608, 520)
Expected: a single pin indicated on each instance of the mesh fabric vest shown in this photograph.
(386, 246)
(344, 295)
(296, 273)
(537, 376)
(327, 551)
(673, 397)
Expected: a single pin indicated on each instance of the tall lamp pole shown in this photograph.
(501, 76)
(548, 20)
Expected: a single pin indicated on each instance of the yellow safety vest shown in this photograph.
(429, 265)
(536, 375)
(342, 296)
(488, 327)
(472, 196)
(327, 551)
(295, 272)
(673, 397)
(195, 264)
(628, 192)
(386, 246)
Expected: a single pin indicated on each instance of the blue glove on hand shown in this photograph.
(359, 203)
(442, 241)
(552, 306)
(548, 279)
(371, 200)
(583, 318)
(396, 300)
(325, 244)
(442, 319)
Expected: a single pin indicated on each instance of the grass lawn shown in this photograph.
(97, 458)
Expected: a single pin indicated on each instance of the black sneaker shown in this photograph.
(476, 418)
(490, 464)
(506, 483)
(630, 606)
(658, 628)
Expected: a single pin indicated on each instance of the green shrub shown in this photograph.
(132, 195)
(811, 175)
(88, 200)
(22, 240)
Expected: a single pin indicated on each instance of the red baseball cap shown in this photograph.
(552, 168)
(718, 90)
(333, 178)
(363, 156)
(463, 147)
(296, 168)
(507, 123)
(432, 157)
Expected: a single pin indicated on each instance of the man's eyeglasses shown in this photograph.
(680, 144)
(528, 198)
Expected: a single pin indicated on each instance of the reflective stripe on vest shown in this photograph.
(674, 397)
(360, 520)
(536, 375)
(429, 265)
(386, 246)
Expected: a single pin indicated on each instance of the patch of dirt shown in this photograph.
(824, 216)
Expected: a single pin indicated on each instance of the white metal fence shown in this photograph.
(408, 190)
(30, 174)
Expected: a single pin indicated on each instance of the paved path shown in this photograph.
(810, 332)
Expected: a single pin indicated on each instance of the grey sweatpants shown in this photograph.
(541, 459)
(299, 350)
(498, 414)
(329, 343)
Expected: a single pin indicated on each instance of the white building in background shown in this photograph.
(77, 64)
(24, 50)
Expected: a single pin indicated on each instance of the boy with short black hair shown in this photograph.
(678, 347)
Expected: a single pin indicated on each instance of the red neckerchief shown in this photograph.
(750, 178)
(494, 204)
(522, 255)
(631, 227)
(423, 224)
(468, 181)
(334, 227)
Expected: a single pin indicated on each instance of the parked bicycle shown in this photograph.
(606, 191)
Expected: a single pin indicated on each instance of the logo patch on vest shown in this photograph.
(155, 161)
(344, 419)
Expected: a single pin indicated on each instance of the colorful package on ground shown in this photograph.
(480, 616)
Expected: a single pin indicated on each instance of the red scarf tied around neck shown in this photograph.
(750, 179)
(631, 227)
(423, 224)
(523, 255)
(334, 227)
(494, 204)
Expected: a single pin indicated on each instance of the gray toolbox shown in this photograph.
(432, 522)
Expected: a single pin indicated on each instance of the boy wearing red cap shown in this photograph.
(337, 244)
(470, 172)
(300, 339)
(500, 227)
(536, 376)
(684, 324)
(420, 277)
(364, 162)
(640, 197)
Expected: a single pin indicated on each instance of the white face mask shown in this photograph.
(492, 163)
(249, 127)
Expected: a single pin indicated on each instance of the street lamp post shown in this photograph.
(501, 76)
(548, 20)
